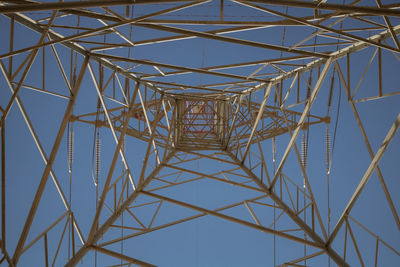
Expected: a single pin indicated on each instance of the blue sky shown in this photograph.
(208, 240)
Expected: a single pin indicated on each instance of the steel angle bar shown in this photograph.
(358, 46)
(252, 213)
(171, 184)
(285, 208)
(169, 126)
(228, 138)
(151, 142)
(370, 151)
(60, 66)
(373, 165)
(315, 33)
(77, 4)
(117, 32)
(122, 257)
(367, 175)
(31, 57)
(374, 235)
(375, 11)
(47, 170)
(293, 262)
(163, 226)
(41, 150)
(213, 177)
(183, 87)
(117, 213)
(67, 41)
(220, 23)
(259, 115)
(152, 133)
(237, 65)
(58, 38)
(201, 155)
(227, 30)
(62, 39)
(375, 97)
(107, 113)
(170, 142)
(302, 120)
(170, 66)
(45, 231)
(47, 92)
(353, 239)
(321, 27)
(289, 91)
(233, 219)
(118, 150)
(389, 26)
(304, 173)
(230, 39)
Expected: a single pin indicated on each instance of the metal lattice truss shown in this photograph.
(168, 86)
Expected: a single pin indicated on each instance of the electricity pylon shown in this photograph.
(199, 133)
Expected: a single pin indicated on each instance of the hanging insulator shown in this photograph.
(304, 148)
(70, 147)
(273, 149)
(328, 150)
(98, 154)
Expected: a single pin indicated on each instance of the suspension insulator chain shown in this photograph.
(304, 148)
(98, 154)
(328, 151)
(70, 145)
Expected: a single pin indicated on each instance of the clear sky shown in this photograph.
(213, 239)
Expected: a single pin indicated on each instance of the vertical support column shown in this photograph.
(43, 181)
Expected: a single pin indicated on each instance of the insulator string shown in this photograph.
(304, 151)
(96, 162)
(70, 145)
(98, 154)
(304, 148)
(273, 150)
(69, 160)
(96, 149)
(328, 150)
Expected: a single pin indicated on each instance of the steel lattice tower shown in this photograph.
(200, 133)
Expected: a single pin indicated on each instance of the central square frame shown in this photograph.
(200, 123)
